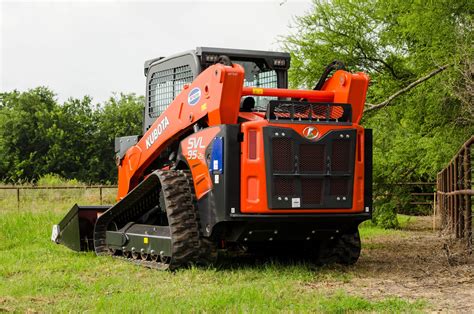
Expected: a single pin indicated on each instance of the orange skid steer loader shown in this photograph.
(230, 157)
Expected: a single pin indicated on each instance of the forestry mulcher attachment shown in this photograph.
(230, 157)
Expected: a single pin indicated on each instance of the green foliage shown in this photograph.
(74, 140)
(397, 42)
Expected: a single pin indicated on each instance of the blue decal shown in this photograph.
(217, 156)
(194, 96)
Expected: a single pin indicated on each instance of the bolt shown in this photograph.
(344, 198)
(152, 252)
(279, 198)
(313, 231)
(341, 135)
(270, 239)
(308, 238)
(337, 231)
(347, 136)
(286, 198)
(275, 232)
(250, 232)
(282, 134)
(276, 134)
(338, 198)
(142, 250)
(208, 228)
(332, 238)
(245, 239)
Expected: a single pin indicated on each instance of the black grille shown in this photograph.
(311, 157)
(284, 186)
(312, 190)
(306, 173)
(282, 149)
(339, 186)
(340, 155)
(164, 86)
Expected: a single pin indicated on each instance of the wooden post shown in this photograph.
(467, 199)
(18, 197)
(100, 193)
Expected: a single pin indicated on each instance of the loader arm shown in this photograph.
(214, 95)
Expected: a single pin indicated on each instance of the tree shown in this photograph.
(120, 115)
(397, 43)
(75, 139)
(25, 120)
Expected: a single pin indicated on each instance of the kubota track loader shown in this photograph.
(230, 157)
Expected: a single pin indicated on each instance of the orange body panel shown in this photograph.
(253, 171)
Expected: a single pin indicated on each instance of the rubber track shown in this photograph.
(188, 246)
(345, 251)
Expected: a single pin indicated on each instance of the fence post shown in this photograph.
(100, 193)
(467, 198)
(18, 197)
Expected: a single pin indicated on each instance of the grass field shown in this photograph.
(39, 276)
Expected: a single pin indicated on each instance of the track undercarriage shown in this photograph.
(157, 226)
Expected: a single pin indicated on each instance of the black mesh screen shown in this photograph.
(164, 86)
(284, 186)
(311, 157)
(312, 190)
(339, 186)
(282, 149)
(309, 174)
(340, 155)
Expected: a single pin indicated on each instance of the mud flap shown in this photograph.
(76, 229)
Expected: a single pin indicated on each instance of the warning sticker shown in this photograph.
(295, 202)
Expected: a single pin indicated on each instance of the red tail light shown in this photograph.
(252, 144)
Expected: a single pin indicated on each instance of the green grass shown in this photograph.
(38, 275)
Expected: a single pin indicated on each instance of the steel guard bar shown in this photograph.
(322, 96)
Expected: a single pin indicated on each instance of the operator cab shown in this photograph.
(166, 77)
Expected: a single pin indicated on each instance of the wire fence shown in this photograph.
(454, 195)
(17, 189)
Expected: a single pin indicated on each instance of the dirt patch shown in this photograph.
(415, 266)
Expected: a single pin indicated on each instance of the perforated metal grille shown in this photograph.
(311, 157)
(318, 173)
(312, 190)
(284, 186)
(301, 111)
(164, 86)
(340, 155)
(282, 154)
(339, 186)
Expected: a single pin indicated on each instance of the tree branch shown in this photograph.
(386, 102)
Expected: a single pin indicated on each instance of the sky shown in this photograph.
(95, 48)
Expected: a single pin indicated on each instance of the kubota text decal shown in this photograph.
(157, 132)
